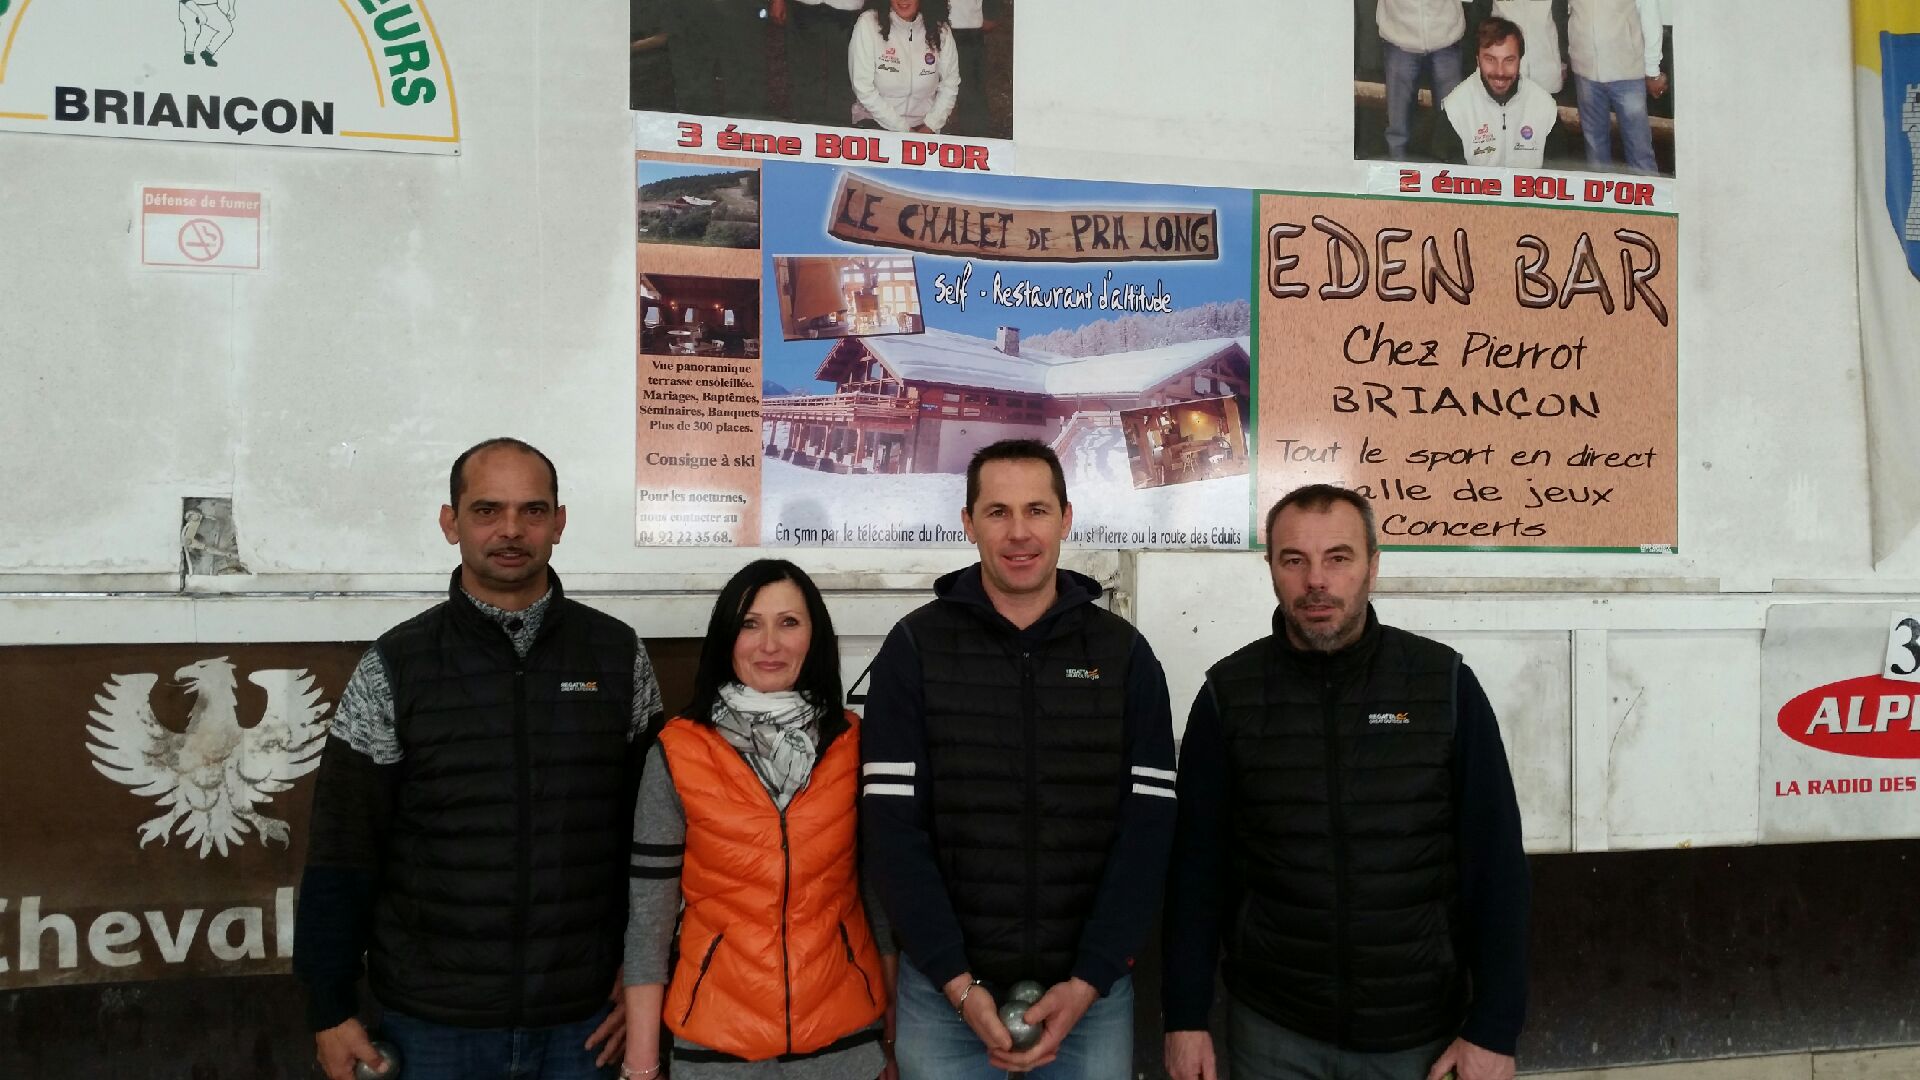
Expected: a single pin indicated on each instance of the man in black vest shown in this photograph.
(474, 809)
(1017, 795)
(1348, 831)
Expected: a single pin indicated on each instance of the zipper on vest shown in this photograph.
(694, 994)
(1028, 707)
(865, 983)
(786, 890)
(523, 840)
(1337, 821)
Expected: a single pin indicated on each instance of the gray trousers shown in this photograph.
(1260, 1049)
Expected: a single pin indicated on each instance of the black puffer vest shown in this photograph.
(1343, 837)
(1026, 747)
(503, 896)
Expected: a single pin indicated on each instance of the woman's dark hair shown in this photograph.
(933, 13)
(819, 680)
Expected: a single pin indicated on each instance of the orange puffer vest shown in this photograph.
(775, 953)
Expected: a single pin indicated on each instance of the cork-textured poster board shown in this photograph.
(1490, 375)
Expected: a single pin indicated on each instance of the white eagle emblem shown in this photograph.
(210, 777)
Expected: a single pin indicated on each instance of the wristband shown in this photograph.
(960, 1007)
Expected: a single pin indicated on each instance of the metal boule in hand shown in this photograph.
(389, 1056)
(1014, 1015)
(1026, 990)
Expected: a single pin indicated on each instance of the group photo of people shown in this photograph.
(1568, 84)
(554, 868)
(927, 66)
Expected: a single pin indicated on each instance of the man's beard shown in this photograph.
(1332, 637)
(1499, 98)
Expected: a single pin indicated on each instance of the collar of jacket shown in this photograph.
(1071, 590)
(464, 610)
(1339, 663)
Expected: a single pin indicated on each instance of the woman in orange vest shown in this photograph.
(746, 817)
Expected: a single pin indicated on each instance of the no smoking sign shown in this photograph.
(200, 229)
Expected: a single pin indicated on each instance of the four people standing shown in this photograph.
(1347, 838)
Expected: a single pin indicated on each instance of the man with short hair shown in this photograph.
(1499, 118)
(1349, 832)
(1539, 21)
(474, 809)
(1017, 795)
(1615, 47)
(1417, 35)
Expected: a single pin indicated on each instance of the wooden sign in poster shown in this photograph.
(866, 212)
(1491, 376)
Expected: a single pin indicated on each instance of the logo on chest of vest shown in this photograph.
(1389, 718)
(588, 686)
(1089, 674)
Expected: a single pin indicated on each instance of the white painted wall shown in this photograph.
(413, 305)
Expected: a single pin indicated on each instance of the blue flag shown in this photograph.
(1900, 92)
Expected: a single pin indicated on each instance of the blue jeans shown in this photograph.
(931, 1043)
(1403, 88)
(1263, 1050)
(430, 1051)
(1626, 99)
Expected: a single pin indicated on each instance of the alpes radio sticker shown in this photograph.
(1871, 716)
(354, 74)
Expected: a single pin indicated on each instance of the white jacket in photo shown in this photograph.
(1510, 136)
(1542, 63)
(1421, 25)
(1614, 40)
(900, 81)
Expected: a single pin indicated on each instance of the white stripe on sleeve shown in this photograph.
(1142, 789)
(1154, 774)
(896, 789)
(887, 768)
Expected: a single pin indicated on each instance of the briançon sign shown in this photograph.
(356, 74)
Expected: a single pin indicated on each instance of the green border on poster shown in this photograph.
(1253, 466)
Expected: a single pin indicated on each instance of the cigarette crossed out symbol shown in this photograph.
(201, 240)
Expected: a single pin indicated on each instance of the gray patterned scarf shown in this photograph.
(778, 734)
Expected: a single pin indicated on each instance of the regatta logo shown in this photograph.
(1389, 718)
(588, 687)
(1089, 674)
(1871, 716)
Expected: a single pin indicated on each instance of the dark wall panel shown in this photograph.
(1638, 957)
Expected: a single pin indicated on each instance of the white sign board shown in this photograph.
(200, 229)
(355, 74)
(1840, 726)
